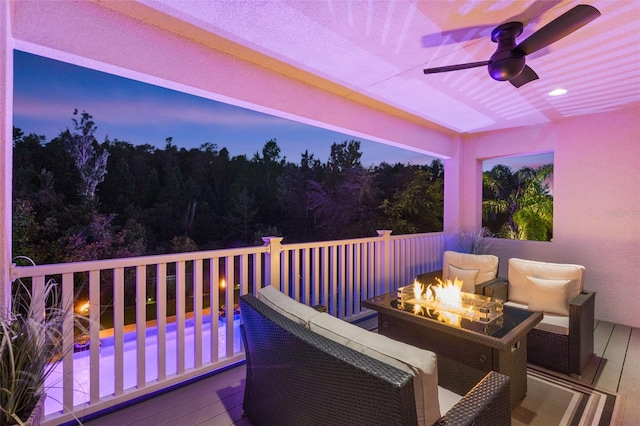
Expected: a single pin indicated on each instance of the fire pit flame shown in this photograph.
(449, 303)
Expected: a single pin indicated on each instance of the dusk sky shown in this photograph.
(47, 91)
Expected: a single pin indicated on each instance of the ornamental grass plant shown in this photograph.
(31, 345)
(475, 241)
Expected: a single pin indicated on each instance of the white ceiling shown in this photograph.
(378, 49)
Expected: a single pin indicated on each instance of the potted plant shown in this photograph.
(31, 345)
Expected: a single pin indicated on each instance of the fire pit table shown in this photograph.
(467, 346)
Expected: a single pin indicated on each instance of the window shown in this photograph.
(517, 196)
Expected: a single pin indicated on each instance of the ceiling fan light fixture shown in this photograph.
(506, 69)
(558, 92)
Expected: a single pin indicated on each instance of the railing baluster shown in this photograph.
(295, 274)
(402, 272)
(305, 276)
(378, 263)
(229, 301)
(180, 316)
(348, 282)
(369, 276)
(338, 289)
(333, 280)
(67, 343)
(161, 320)
(285, 271)
(257, 273)
(316, 297)
(95, 305)
(214, 302)
(118, 330)
(37, 294)
(141, 324)
(357, 278)
(244, 273)
(197, 312)
(396, 248)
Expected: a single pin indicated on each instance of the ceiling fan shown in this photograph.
(508, 62)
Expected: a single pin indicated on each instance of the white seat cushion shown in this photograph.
(520, 270)
(420, 363)
(287, 306)
(483, 266)
(557, 324)
(447, 399)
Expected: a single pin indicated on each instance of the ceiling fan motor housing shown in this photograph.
(507, 62)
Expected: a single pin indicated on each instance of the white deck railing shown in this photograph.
(140, 297)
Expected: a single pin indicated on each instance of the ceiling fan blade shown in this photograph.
(560, 27)
(456, 67)
(525, 76)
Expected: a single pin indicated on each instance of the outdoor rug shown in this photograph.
(553, 400)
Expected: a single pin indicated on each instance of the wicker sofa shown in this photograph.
(296, 376)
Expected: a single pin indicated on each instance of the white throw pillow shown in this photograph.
(286, 305)
(421, 363)
(551, 296)
(467, 276)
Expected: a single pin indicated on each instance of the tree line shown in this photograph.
(75, 198)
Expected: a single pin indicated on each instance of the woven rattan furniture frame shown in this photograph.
(566, 354)
(464, 356)
(297, 377)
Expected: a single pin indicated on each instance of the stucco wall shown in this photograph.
(596, 218)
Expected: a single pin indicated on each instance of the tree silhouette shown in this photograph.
(241, 215)
(294, 195)
(91, 165)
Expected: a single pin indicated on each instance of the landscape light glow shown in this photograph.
(558, 92)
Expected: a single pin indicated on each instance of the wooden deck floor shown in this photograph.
(217, 400)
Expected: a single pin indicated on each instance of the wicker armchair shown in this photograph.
(563, 340)
(298, 377)
(474, 270)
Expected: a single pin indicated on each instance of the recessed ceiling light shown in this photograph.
(557, 92)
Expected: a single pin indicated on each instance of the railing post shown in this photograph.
(384, 261)
(272, 261)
